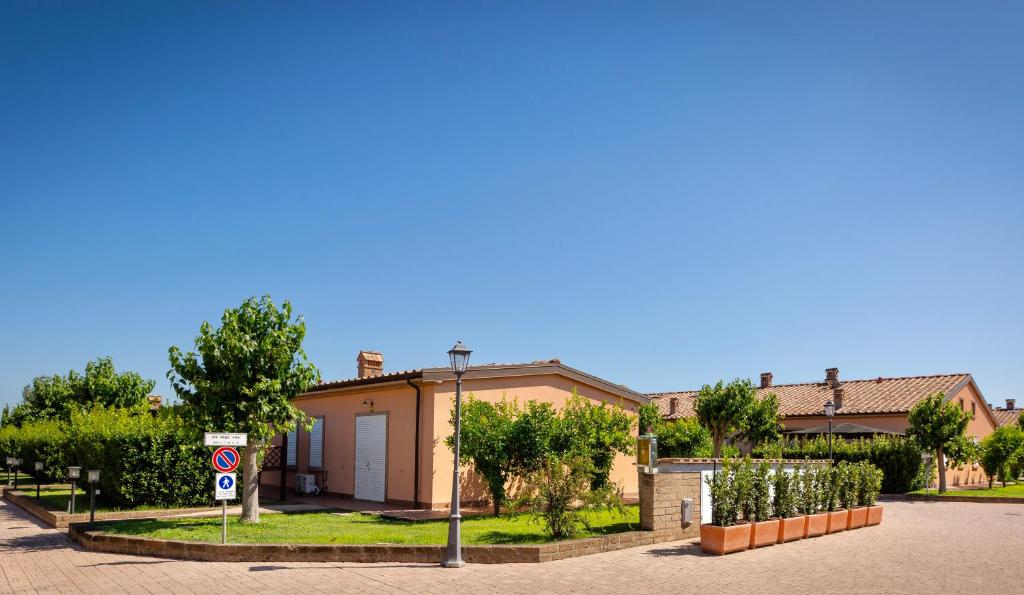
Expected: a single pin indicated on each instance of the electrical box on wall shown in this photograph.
(687, 510)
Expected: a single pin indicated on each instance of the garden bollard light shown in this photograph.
(94, 478)
(39, 476)
(73, 474)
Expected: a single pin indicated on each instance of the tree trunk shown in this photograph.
(990, 482)
(250, 485)
(497, 508)
(941, 466)
(717, 440)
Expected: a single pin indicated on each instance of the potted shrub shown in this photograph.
(724, 535)
(764, 530)
(809, 502)
(858, 512)
(870, 488)
(838, 517)
(791, 525)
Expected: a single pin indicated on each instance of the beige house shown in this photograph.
(380, 436)
(863, 407)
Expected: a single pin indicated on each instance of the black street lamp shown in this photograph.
(39, 476)
(94, 478)
(73, 474)
(17, 463)
(830, 410)
(459, 356)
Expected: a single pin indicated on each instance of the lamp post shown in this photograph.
(459, 356)
(10, 463)
(39, 476)
(830, 410)
(73, 474)
(94, 478)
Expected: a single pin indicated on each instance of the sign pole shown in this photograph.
(224, 522)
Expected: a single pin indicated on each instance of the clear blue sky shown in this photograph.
(662, 194)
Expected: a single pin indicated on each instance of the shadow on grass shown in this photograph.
(507, 538)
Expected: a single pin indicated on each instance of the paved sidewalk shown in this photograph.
(921, 547)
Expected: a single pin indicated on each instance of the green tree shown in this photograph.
(761, 423)
(723, 409)
(1002, 452)
(242, 378)
(938, 426)
(683, 438)
(650, 418)
(58, 396)
(595, 431)
(559, 494)
(489, 443)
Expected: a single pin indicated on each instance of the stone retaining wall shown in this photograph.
(100, 541)
(61, 520)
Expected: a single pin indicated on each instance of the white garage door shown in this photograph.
(371, 456)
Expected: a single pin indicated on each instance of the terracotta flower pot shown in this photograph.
(858, 517)
(791, 528)
(724, 540)
(837, 520)
(875, 514)
(764, 533)
(816, 524)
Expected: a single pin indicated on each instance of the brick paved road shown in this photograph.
(921, 547)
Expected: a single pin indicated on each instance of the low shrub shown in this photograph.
(559, 495)
(683, 438)
(786, 491)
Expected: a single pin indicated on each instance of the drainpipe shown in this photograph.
(416, 462)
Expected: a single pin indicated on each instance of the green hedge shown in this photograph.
(898, 457)
(143, 460)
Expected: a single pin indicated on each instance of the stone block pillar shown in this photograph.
(661, 502)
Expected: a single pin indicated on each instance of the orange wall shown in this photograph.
(551, 388)
(340, 407)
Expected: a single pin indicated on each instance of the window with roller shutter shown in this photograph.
(293, 448)
(316, 444)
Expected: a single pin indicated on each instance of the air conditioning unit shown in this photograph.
(305, 484)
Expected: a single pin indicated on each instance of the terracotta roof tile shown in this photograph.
(877, 395)
(1005, 417)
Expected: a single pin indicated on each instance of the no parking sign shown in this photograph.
(225, 459)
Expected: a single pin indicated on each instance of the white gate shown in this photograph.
(371, 456)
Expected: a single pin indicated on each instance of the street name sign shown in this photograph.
(225, 487)
(225, 439)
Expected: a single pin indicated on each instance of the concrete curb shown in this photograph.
(100, 541)
(61, 520)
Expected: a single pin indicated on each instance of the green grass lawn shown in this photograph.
(358, 528)
(23, 478)
(1010, 491)
(56, 499)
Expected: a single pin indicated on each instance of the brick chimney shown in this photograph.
(766, 379)
(1011, 404)
(673, 405)
(832, 376)
(837, 396)
(370, 364)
